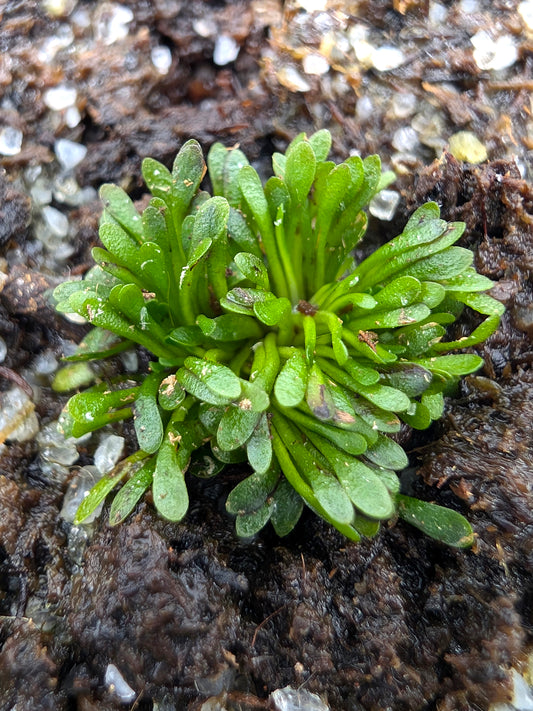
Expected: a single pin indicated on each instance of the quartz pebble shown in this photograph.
(495, 54)
(525, 10)
(386, 58)
(117, 685)
(384, 205)
(315, 64)
(403, 105)
(18, 421)
(45, 364)
(108, 453)
(3, 350)
(55, 448)
(405, 139)
(10, 141)
(364, 108)
(60, 97)
(291, 78)
(55, 221)
(161, 57)
(112, 22)
(226, 50)
(288, 699)
(69, 153)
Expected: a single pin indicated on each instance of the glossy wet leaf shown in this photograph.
(259, 446)
(443, 524)
(170, 492)
(147, 420)
(218, 378)
(291, 383)
(131, 493)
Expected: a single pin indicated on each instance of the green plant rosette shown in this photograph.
(269, 343)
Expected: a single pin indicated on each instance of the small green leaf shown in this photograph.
(171, 394)
(187, 173)
(147, 420)
(456, 364)
(387, 453)
(272, 311)
(131, 492)
(318, 396)
(247, 525)
(253, 269)
(236, 427)
(199, 389)
(169, 489)
(443, 524)
(288, 507)
(218, 378)
(398, 293)
(320, 142)
(120, 207)
(300, 171)
(157, 177)
(252, 492)
(229, 327)
(259, 446)
(291, 383)
(73, 376)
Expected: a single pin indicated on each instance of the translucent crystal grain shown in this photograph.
(289, 699)
(41, 192)
(45, 363)
(60, 97)
(55, 221)
(69, 153)
(55, 448)
(291, 78)
(161, 57)
(72, 116)
(364, 109)
(437, 13)
(403, 104)
(10, 141)
(108, 453)
(522, 696)
(79, 487)
(117, 685)
(384, 205)
(3, 350)
(405, 138)
(226, 50)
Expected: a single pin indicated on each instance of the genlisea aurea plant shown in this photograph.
(269, 343)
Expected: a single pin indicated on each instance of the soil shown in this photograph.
(188, 612)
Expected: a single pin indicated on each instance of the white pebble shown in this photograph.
(161, 57)
(403, 104)
(60, 97)
(69, 153)
(108, 453)
(364, 109)
(57, 8)
(437, 13)
(204, 27)
(405, 139)
(313, 5)
(387, 57)
(315, 64)
(45, 363)
(226, 50)
(17, 417)
(117, 685)
(291, 78)
(111, 24)
(522, 697)
(384, 205)
(10, 141)
(492, 53)
(289, 699)
(41, 192)
(56, 221)
(525, 10)
(72, 116)
(3, 350)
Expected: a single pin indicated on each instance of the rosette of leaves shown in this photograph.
(269, 343)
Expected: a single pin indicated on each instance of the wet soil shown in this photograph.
(187, 611)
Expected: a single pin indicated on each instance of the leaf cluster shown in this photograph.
(270, 344)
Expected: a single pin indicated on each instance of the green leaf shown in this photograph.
(272, 311)
(157, 177)
(419, 417)
(300, 171)
(218, 378)
(131, 492)
(187, 173)
(147, 420)
(106, 484)
(251, 493)
(249, 524)
(169, 489)
(253, 269)
(320, 142)
(291, 383)
(73, 376)
(412, 379)
(318, 396)
(456, 364)
(119, 206)
(398, 293)
(259, 446)
(229, 327)
(387, 453)
(199, 389)
(443, 524)
(288, 507)
(240, 233)
(171, 394)
(236, 427)
(469, 280)
(390, 318)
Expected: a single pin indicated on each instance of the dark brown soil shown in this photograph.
(189, 611)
